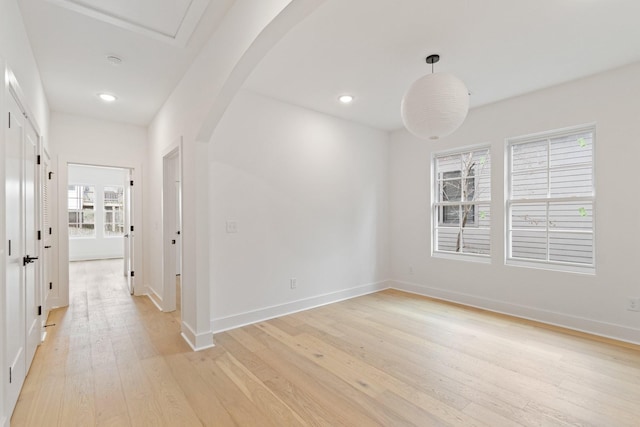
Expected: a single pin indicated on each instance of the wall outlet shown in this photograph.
(633, 304)
(293, 282)
(232, 226)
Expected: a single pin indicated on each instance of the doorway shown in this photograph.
(172, 229)
(99, 212)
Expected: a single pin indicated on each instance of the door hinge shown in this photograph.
(133, 273)
(50, 285)
(39, 310)
(9, 374)
(131, 183)
(9, 119)
(50, 230)
(9, 247)
(39, 235)
(38, 159)
(132, 228)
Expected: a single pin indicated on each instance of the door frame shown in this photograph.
(61, 297)
(171, 215)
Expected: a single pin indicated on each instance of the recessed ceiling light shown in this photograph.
(114, 60)
(345, 99)
(107, 97)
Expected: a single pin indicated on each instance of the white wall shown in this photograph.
(16, 54)
(594, 303)
(16, 51)
(189, 115)
(82, 140)
(309, 195)
(98, 246)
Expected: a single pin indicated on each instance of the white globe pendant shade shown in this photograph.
(435, 106)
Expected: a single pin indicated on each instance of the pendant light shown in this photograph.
(435, 105)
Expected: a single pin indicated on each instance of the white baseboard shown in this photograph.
(197, 342)
(95, 258)
(576, 323)
(155, 298)
(249, 317)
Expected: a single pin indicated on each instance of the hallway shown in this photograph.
(104, 361)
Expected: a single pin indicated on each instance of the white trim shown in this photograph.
(155, 298)
(190, 20)
(254, 316)
(197, 342)
(481, 258)
(64, 161)
(576, 323)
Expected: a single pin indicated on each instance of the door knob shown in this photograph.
(28, 259)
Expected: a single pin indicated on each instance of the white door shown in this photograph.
(170, 229)
(15, 295)
(178, 202)
(31, 250)
(129, 229)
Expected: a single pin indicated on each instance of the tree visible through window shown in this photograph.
(452, 187)
(81, 203)
(462, 198)
(551, 199)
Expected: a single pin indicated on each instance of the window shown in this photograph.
(113, 211)
(551, 200)
(81, 208)
(461, 202)
(451, 186)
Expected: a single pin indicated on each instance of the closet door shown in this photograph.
(31, 249)
(15, 293)
(23, 328)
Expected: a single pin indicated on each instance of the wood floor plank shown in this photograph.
(205, 404)
(173, 404)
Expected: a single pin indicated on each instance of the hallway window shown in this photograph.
(81, 208)
(113, 211)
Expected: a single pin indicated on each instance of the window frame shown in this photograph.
(548, 201)
(80, 213)
(436, 205)
(442, 208)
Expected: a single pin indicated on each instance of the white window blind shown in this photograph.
(462, 202)
(551, 199)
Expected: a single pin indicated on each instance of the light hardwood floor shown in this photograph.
(389, 358)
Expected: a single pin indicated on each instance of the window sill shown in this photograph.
(542, 265)
(482, 259)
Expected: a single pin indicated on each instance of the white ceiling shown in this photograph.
(373, 49)
(156, 39)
